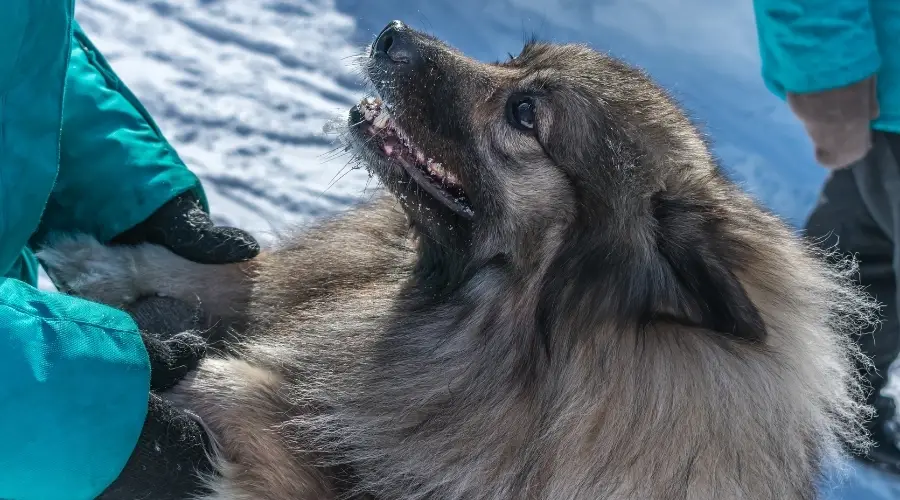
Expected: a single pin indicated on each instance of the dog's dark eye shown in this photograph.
(520, 112)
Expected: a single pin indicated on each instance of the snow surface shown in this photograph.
(242, 88)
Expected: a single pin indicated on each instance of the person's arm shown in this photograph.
(77, 378)
(822, 57)
(75, 386)
(119, 178)
(116, 167)
(76, 375)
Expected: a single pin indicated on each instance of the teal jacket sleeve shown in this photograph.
(74, 375)
(75, 383)
(815, 45)
(115, 167)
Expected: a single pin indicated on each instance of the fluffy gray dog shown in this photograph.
(564, 298)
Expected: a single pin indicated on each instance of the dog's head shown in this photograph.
(562, 161)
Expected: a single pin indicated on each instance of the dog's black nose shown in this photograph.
(395, 44)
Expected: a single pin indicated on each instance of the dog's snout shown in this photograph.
(395, 44)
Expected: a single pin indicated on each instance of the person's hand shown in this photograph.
(173, 358)
(170, 329)
(171, 457)
(183, 227)
(838, 121)
(172, 453)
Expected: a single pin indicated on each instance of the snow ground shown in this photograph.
(243, 89)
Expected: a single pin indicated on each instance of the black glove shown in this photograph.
(168, 327)
(173, 358)
(171, 456)
(166, 316)
(183, 227)
(172, 453)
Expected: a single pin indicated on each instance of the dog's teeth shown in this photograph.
(381, 120)
(450, 178)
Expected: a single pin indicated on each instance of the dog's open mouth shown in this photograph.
(384, 136)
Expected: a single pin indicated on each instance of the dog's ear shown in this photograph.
(712, 297)
(708, 294)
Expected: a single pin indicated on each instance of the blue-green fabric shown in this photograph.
(816, 45)
(75, 383)
(25, 268)
(116, 167)
(77, 153)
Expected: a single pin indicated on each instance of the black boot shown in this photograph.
(885, 432)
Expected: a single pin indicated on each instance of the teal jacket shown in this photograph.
(77, 153)
(818, 45)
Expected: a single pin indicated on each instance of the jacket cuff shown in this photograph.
(838, 121)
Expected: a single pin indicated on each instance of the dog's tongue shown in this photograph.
(390, 142)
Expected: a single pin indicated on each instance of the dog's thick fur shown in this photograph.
(618, 320)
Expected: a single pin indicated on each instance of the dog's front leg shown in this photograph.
(259, 454)
(119, 275)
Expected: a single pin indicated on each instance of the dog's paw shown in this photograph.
(80, 265)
